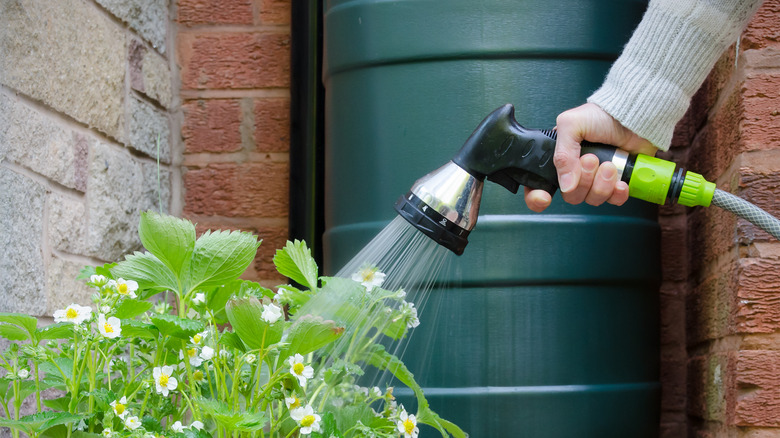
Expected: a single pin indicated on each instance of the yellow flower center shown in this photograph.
(122, 288)
(71, 314)
(197, 375)
(295, 404)
(119, 408)
(164, 379)
(298, 368)
(192, 352)
(196, 339)
(307, 421)
(368, 275)
(408, 426)
(107, 328)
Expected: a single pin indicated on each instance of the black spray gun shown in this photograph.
(444, 204)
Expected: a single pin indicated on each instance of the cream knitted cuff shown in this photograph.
(649, 87)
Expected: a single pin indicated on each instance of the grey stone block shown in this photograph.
(113, 200)
(149, 73)
(41, 144)
(67, 224)
(147, 126)
(68, 55)
(63, 287)
(22, 276)
(147, 17)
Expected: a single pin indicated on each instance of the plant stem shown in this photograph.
(37, 388)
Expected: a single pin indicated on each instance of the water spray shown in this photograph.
(444, 204)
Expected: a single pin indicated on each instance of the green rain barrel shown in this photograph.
(549, 324)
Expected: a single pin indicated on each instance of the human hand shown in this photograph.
(582, 178)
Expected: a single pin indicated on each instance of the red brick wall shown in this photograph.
(721, 367)
(234, 68)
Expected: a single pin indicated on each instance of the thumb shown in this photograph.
(567, 155)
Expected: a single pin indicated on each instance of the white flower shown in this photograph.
(282, 295)
(198, 338)
(177, 427)
(111, 327)
(97, 280)
(105, 309)
(401, 294)
(192, 354)
(207, 353)
(23, 373)
(299, 370)
(369, 276)
(126, 287)
(271, 313)
(407, 425)
(307, 419)
(163, 380)
(376, 392)
(120, 407)
(292, 402)
(82, 426)
(107, 432)
(132, 423)
(410, 314)
(250, 358)
(73, 313)
(199, 299)
(224, 354)
(196, 425)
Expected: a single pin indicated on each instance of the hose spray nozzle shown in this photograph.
(444, 204)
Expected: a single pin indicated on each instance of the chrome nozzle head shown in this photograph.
(444, 205)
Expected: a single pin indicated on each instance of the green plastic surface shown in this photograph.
(651, 179)
(548, 326)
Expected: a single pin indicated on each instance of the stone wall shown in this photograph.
(86, 98)
(721, 350)
(234, 59)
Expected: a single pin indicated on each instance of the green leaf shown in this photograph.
(377, 356)
(309, 333)
(131, 307)
(13, 332)
(230, 339)
(220, 257)
(37, 423)
(232, 420)
(296, 262)
(137, 329)
(170, 239)
(244, 315)
(328, 427)
(27, 322)
(60, 330)
(58, 404)
(147, 270)
(172, 325)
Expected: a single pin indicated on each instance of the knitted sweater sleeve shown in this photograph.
(649, 87)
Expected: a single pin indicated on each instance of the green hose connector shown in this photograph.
(650, 179)
(696, 191)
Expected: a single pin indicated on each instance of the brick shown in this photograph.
(272, 125)
(275, 11)
(238, 190)
(194, 12)
(712, 233)
(46, 46)
(212, 125)
(758, 403)
(762, 31)
(674, 247)
(757, 284)
(711, 383)
(37, 142)
(63, 287)
(234, 60)
(149, 73)
(147, 127)
(760, 433)
(711, 306)
(716, 145)
(673, 380)
(22, 276)
(147, 17)
(761, 106)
